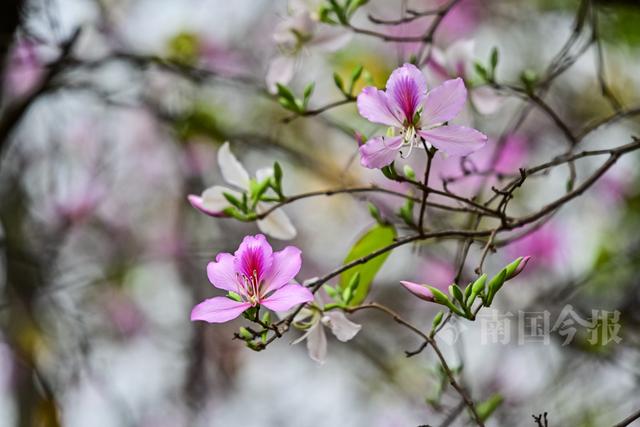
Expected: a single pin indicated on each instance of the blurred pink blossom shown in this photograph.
(545, 245)
(25, 69)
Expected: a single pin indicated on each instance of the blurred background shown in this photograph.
(113, 112)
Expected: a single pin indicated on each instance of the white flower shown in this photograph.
(340, 326)
(212, 201)
(300, 33)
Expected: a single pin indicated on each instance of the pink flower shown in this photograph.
(258, 275)
(406, 106)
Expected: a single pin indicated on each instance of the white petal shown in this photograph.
(486, 100)
(213, 198)
(317, 343)
(343, 328)
(232, 170)
(264, 173)
(276, 224)
(459, 57)
(330, 39)
(280, 71)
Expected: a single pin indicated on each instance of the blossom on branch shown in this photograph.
(301, 33)
(457, 61)
(213, 201)
(314, 322)
(416, 115)
(254, 276)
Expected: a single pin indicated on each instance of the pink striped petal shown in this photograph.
(420, 291)
(454, 140)
(218, 310)
(254, 256)
(286, 297)
(222, 273)
(374, 106)
(407, 87)
(379, 151)
(444, 102)
(286, 264)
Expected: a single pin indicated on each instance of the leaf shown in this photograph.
(488, 407)
(493, 61)
(376, 238)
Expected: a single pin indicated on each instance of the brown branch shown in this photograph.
(14, 112)
(627, 421)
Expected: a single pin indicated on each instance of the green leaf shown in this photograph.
(511, 268)
(355, 76)
(266, 318)
(390, 172)
(493, 60)
(277, 179)
(375, 213)
(481, 70)
(338, 81)
(436, 321)
(376, 238)
(477, 288)
(529, 79)
(488, 407)
(456, 292)
(440, 297)
(285, 92)
(234, 296)
(308, 90)
(245, 334)
(409, 172)
(494, 286)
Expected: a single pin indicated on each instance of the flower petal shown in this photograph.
(317, 343)
(212, 202)
(286, 264)
(286, 297)
(444, 102)
(218, 310)
(486, 100)
(374, 106)
(454, 140)
(329, 39)
(222, 273)
(406, 87)
(280, 70)
(232, 170)
(276, 224)
(264, 173)
(343, 328)
(198, 203)
(253, 256)
(420, 291)
(459, 57)
(379, 152)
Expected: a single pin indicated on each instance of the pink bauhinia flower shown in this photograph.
(416, 114)
(259, 276)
